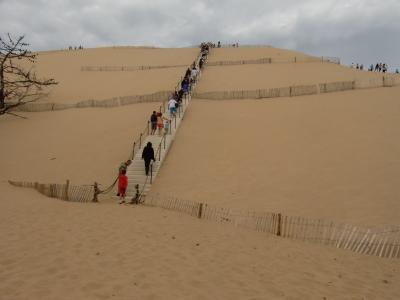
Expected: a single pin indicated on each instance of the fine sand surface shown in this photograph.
(82, 145)
(51, 249)
(332, 156)
(242, 53)
(76, 85)
(262, 76)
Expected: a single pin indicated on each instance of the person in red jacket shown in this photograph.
(122, 185)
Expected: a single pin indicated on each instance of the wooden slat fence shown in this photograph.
(187, 207)
(125, 68)
(270, 60)
(381, 242)
(65, 191)
(105, 103)
(301, 90)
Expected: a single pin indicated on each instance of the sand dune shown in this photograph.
(57, 250)
(333, 156)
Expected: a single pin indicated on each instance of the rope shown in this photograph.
(107, 190)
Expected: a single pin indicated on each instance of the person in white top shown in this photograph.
(172, 107)
(193, 74)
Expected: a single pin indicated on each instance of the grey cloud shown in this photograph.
(356, 30)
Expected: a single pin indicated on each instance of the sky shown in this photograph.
(359, 31)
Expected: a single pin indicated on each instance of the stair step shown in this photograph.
(136, 171)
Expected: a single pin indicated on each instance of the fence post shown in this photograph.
(279, 225)
(140, 141)
(200, 213)
(66, 190)
(52, 190)
(175, 121)
(148, 127)
(96, 192)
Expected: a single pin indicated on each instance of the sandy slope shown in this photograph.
(333, 156)
(82, 145)
(76, 85)
(51, 249)
(261, 76)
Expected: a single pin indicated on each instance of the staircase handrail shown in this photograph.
(163, 139)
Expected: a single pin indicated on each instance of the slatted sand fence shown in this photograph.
(271, 60)
(67, 192)
(126, 68)
(302, 90)
(382, 242)
(104, 103)
(187, 207)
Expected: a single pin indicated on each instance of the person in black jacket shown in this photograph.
(153, 122)
(148, 155)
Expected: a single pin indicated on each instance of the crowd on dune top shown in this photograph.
(378, 67)
(219, 45)
(75, 47)
(161, 123)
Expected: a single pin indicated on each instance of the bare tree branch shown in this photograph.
(18, 86)
(15, 115)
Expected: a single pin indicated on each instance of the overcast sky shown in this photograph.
(364, 31)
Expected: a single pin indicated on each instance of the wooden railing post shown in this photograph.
(133, 150)
(136, 198)
(151, 173)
